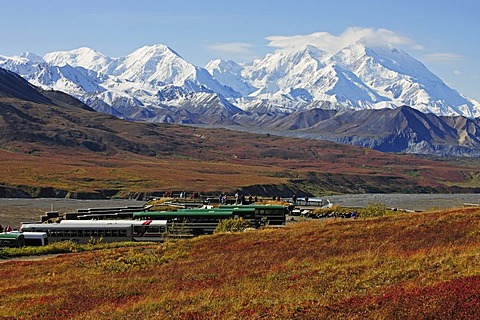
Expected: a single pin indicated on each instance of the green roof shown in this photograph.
(185, 213)
(221, 209)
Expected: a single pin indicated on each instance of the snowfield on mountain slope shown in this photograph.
(358, 76)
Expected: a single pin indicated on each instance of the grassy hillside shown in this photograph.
(222, 161)
(407, 266)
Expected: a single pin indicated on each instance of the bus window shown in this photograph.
(139, 230)
(153, 230)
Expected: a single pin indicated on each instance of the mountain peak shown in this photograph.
(155, 50)
(229, 73)
(222, 65)
(156, 64)
(32, 57)
(313, 51)
(82, 57)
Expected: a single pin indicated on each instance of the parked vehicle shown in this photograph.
(12, 239)
(192, 221)
(33, 238)
(204, 220)
(83, 231)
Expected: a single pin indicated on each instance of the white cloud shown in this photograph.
(233, 47)
(457, 72)
(332, 43)
(442, 57)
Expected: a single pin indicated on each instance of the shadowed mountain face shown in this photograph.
(13, 86)
(402, 129)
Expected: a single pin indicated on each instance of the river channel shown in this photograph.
(16, 210)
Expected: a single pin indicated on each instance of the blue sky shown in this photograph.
(443, 34)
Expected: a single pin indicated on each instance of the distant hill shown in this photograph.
(14, 86)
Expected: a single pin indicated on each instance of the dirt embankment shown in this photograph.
(309, 186)
(50, 192)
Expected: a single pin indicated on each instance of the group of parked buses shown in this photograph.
(143, 226)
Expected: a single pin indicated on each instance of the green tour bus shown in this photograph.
(197, 221)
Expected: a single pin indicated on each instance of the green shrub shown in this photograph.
(233, 225)
(374, 210)
(56, 247)
(179, 228)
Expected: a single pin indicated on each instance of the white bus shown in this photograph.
(100, 230)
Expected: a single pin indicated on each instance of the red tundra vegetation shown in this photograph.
(403, 266)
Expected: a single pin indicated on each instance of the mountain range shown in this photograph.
(303, 92)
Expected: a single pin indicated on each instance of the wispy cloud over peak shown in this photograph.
(333, 43)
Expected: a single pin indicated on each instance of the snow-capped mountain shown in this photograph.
(75, 81)
(403, 80)
(228, 72)
(152, 79)
(357, 76)
(82, 57)
(149, 78)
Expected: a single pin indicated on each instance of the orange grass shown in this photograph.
(88, 172)
(222, 170)
(420, 266)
